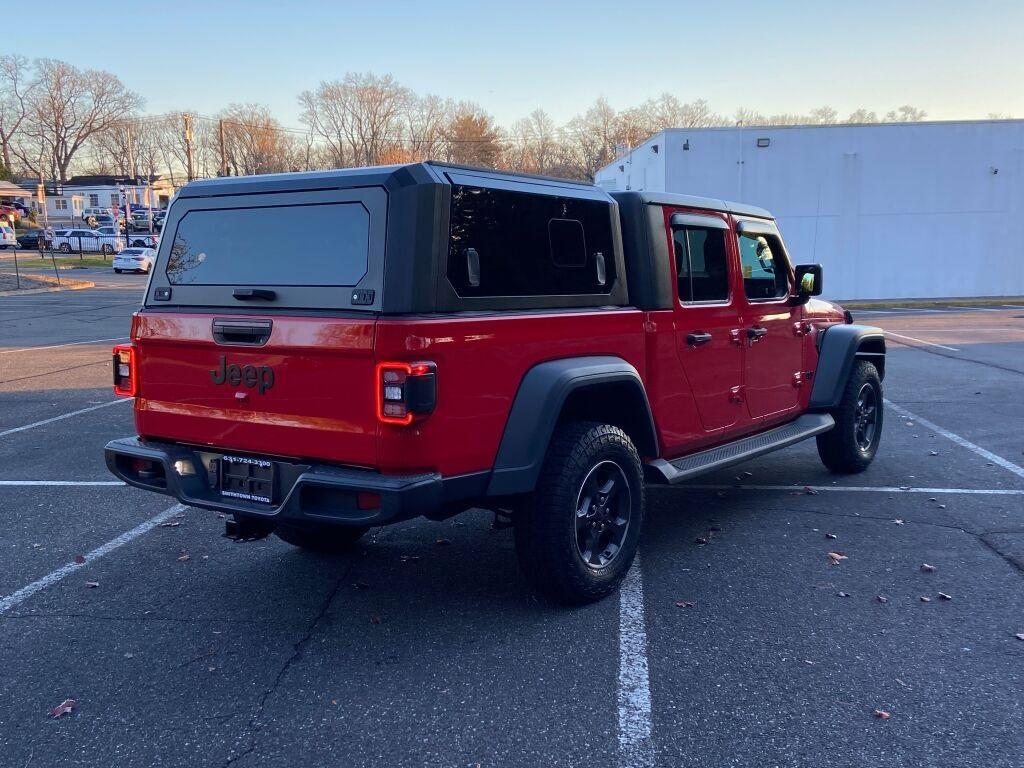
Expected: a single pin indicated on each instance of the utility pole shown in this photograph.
(131, 154)
(223, 157)
(189, 167)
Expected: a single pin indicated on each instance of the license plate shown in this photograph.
(247, 478)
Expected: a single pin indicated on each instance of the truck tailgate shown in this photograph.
(306, 393)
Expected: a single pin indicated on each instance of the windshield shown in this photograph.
(259, 246)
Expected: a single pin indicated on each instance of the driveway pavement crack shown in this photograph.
(254, 725)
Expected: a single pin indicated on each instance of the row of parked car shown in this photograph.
(137, 258)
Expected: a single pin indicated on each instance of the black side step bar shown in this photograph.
(696, 464)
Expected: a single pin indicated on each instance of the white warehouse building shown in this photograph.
(903, 210)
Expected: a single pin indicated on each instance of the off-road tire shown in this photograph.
(326, 539)
(545, 522)
(839, 448)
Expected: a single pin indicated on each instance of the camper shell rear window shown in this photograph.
(317, 249)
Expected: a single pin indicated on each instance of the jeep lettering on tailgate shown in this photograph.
(251, 376)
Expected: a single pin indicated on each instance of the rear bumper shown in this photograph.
(305, 492)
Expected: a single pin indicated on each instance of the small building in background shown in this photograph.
(895, 210)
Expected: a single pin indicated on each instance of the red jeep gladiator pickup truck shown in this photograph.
(458, 338)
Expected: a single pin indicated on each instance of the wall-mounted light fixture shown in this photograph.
(686, 145)
(764, 143)
(654, 148)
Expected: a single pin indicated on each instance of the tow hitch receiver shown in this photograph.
(246, 529)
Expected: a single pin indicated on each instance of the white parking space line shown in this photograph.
(75, 483)
(58, 346)
(23, 594)
(921, 341)
(862, 489)
(634, 689)
(961, 441)
(63, 416)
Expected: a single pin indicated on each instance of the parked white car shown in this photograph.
(72, 240)
(135, 260)
(7, 238)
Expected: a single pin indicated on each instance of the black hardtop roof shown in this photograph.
(694, 201)
(378, 175)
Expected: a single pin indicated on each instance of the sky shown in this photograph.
(956, 60)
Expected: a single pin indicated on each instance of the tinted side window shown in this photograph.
(528, 244)
(765, 274)
(702, 267)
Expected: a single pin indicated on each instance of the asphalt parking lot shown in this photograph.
(734, 642)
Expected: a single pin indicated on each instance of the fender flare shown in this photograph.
(537, 406)
(838, 347)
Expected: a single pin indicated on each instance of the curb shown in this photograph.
(66, 284)
(964, 301)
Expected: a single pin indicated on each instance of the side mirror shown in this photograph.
(808, 280)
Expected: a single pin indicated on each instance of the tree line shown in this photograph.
(57, 120)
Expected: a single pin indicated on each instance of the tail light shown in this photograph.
(405, 391)
(126, 372)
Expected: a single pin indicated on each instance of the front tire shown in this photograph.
(118, 271)
(577, 533)
(851, 445)
(326, 539)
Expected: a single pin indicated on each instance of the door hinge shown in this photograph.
(798, 379)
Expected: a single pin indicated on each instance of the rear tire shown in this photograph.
(851, 445)
(328, 539)
(118, 271)
(577, 533)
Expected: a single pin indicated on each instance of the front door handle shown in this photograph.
(697, 338)
(756, 332)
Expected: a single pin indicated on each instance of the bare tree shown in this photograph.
(360, 117)
(254, 141)
(15, 89)
(590, 139)
(862, 116)
(905, 114)
(68, 107)
(472, 138)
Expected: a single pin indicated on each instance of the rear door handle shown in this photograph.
(756, 332)
(697, 338)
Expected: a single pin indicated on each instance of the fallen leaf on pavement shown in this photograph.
(92, 584)
(1019, 635)
(944, 596)
(881, 599)
(684, 604)
(928, 568)
(933, 453)
(835, 558)
(173, 523)
(898, 521)
(881, 714)
(700, 540)
(183, 557)
(831, 536)
(64, 708)
(844, 594)
(79, 559)
(926, 599)
(442, 542)
(810, 491)
(375, 619)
